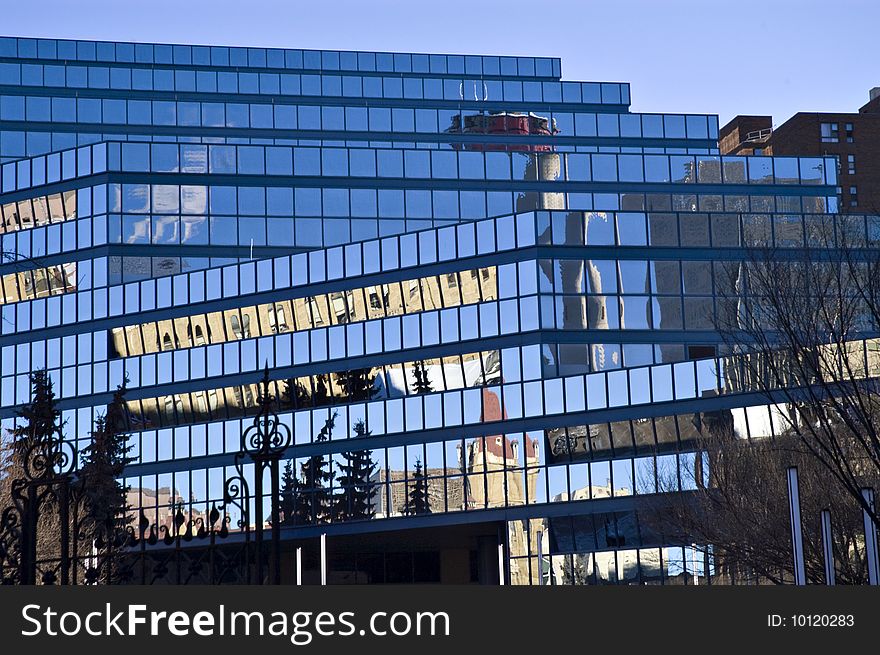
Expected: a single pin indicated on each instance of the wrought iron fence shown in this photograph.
(44, 539)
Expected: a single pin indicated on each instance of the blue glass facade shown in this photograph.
(506, 282)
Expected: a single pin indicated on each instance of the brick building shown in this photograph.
(854, 138)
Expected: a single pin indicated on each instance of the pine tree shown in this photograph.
(37, 436)
(296, 395)
(418, 501)
(321, 395)
(105, 510)
(287, 501)
(312, 497)
(355, 501)
(421, 384)
(357, 384)
(40, 419)
(39, 425)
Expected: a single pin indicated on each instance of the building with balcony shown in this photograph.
(854, 138)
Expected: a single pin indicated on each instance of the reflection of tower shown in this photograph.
(668, 303)
(597, 304)
(544, 167)
(493, 464)
(494, 474)
(502, 123)
(542, 164)
(569, 284)
(597, 309)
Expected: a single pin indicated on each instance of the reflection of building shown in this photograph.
(465, 261)
(607, 567)
(299, 315)
(854, 138)
(493, 471)
(162, 507)
(393, 489)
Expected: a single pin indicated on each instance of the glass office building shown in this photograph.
(496, 286)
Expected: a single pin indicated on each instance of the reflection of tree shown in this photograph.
(746, 525)
(800, 321)
(295, 394)
(104, 514)
(421, 383)
(417, 501)
(355, 499)
(321, 395)
(287, 499)
(356, 384)
(312, 498)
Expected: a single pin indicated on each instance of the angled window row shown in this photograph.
(444, 244)
(174, 364)
(38, 282)
(306, 313)
(314, 218)
(19, 144)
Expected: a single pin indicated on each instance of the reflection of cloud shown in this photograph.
(136, 198)
(194, 199)
(191, 226)
(397, 383)
(194, 159)
(138, 229)
(166, 199)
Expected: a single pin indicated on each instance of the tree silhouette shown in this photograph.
(356, 384)
(421, 384)
(803, 324)
(417, 501)
(287, 496)
(36, 439)
(748, 534)
(321, 395)
(105, 510)
(40, 419)
(312, 497)
(355, 500)
(295, 394)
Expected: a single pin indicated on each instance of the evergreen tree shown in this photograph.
(417, 501)
(105, 510)
(321, 395)
(36, 436)
(40, 420)
(355, 501)
(287, 501)
(312, 498)
(357, 384)
(421, 383)
(296, 395)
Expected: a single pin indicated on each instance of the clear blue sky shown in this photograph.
(716, 56)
